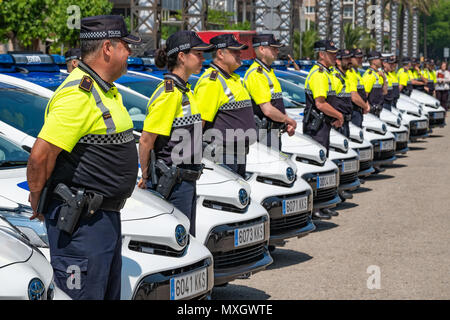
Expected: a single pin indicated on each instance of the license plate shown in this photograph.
(365, 155)
(295, 205)
(248, 235)
(402, 137)
(188, 285)
(387, 145)
(349, 166)
(421, 125)
(438, 115)
(326, 181)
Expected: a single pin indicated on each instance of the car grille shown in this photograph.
(401, 145)
(322, 195)
(436, 121)
(348, 178)
(418, 132)
(383, 155)
(238, 257)
(364, 165)
(286, 224)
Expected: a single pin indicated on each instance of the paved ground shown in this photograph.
(398, 221)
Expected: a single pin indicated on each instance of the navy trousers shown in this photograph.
(345, 129)
(184, 198)
(357, 118)
(88, 263)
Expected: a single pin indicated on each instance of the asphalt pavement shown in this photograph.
(391, 241)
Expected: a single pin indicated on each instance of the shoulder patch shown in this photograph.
(86, 83)
(213, 76)
(370, 71)
(260, 69)
(168, 85)
(320, 69)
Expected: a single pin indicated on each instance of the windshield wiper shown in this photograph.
(7, 163)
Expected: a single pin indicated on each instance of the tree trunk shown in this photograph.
(360, 12)
(322, 18)
(415, 33)
(405, 33)
(336, 22)
(379, 25)
(394, 27)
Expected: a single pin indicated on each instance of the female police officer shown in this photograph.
(173, 114)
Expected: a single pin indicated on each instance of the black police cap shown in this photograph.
(73, 53)
(357, 53)
(392, 59)
(406, 60)
(186, 40)
(372, 55)
(325, 45)
(267, 39)
(415, 60)
(343, 54)
(106, 27)
(227, 41)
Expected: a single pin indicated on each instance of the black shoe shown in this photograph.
(345, 195)
(321, 215)
(330, 212)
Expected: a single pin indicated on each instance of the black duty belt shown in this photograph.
(347, 117)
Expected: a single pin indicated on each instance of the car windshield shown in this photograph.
(22, 109)
(11, 155)
(296, 79)
(144, 87)
(136, 106)
(292, 91)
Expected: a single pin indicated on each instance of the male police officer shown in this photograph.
(391, 80)
(84, 163)
(265, 91)
(392, 61)
(359, 99)
(321, 102)
(404, 78)
(375, 83)
(225, 104)
(418, 80)
(73, 56)
(429, 74)
(344, 88)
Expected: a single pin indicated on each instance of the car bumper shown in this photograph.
(333, 202)
(401, 147)
(349, 183)
(416, 134)
(231, 262)
(378, 163)
(365, 168)
(157, 286)
(278, 240)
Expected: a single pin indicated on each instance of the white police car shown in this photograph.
(431, 106)
(394, 124)
(364, 149)
(25, 273)
(413, 118)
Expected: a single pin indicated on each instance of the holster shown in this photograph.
(71, 209)
(316, 120)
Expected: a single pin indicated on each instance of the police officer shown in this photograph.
(265, 91)
(73, 56)
(429, 74)
(225, 104)
(417, 79)
(321, 111)
(375, 83)
(392, 80)
(172, 129)
(84, 165)
(344, 88)
(392, 61)
(404, 77)
(359, 100)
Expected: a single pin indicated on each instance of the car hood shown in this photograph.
(12, 249)
(14, 185)
(214, 174)
(424, 98)
(390, 118)
(338, 141)
(371, 122)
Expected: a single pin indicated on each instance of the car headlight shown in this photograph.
(420, 112)
(243, 197)
(361, 134)
(181, 235)
(36, 289)
(399, 122)
(290, 174)
(400, 116)
(383, 128)
(322, 155)
(345, 143)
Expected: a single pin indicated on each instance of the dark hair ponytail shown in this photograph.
(162, 60)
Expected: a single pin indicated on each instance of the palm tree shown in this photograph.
(394, 26)
(322, 18)
(352, 36)
(379, 24)
(336, 22)
(360, 13)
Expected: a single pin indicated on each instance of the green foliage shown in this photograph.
(358, 38)
(239, 26)
(27, 21)
(219, 17)
(438, 29)
(308, 38)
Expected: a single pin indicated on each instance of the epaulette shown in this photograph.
(370, 71)
(168, 85)
(86, 83)
(260, 69)
(320, 69)
(213, 76)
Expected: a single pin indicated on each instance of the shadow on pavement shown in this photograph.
(285, 258)
(435, 136)
(346, 205)
(238, 292)
(416, 148)
(361, 189)
(395, 165)
(322, 225)
(379, 176)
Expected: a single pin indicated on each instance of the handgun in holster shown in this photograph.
(152, 169)
(71, 209)
(317, 119)
(168, 177)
